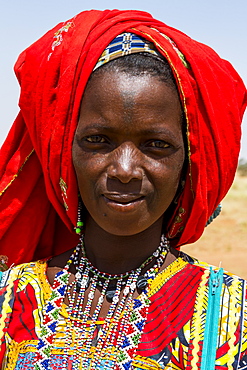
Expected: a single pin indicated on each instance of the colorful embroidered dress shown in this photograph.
(172, 337)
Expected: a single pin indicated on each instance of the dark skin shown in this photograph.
(128, 154)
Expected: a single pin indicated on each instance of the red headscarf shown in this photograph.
(38, 188)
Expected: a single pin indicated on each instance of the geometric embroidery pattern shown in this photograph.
(170, 333)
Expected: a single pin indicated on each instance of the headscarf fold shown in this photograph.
(38, 187)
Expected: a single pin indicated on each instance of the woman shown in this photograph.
(144, 123)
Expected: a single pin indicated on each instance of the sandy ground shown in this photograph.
(225, 240)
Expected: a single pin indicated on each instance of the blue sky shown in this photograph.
(221, 24)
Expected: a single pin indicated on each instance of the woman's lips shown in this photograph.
(122, 198)
(123, 202)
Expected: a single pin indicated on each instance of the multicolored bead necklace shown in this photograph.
(117, 339)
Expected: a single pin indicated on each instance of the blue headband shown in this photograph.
(125, 44)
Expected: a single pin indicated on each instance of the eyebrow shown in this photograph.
(114, 130)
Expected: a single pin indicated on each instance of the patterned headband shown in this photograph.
(130, 43)
(125, 44)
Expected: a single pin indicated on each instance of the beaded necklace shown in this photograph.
(117, 340)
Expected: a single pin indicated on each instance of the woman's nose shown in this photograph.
(125, 163)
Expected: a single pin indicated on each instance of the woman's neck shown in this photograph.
(117, 254)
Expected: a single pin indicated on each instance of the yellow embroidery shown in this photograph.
(166, 274)
(146, 363)
(233, 321)
(58, 36)
(6, 309)
(17, 174)
(40, 268)
(178, 219)
(244, 344)
(64, 188)
(13, 353)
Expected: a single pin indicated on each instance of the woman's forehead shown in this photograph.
(118, 102)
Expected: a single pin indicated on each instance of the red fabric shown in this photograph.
(168, 311)
(53, 73)
(22, 323)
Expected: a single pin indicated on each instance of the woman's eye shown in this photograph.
(95, 139)
(160, 144)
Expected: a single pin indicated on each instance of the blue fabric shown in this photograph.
(212, 320)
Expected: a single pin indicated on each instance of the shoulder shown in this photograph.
(228, 278)
(201, 278)
(232, 286)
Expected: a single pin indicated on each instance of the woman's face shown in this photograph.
(128, 150)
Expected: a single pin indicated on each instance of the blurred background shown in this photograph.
(220, 24)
